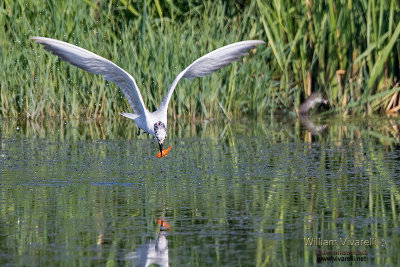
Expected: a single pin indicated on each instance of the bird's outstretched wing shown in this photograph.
(93, 63)
(209, 63)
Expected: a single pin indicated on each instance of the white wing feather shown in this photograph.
(209, 63)
(93, 63)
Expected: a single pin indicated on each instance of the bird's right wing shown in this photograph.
(211, 62)
(93, 63)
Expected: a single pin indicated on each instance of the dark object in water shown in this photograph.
(311, 126)
(314, 98)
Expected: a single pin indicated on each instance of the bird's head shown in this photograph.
(160, 132)
(317, 97)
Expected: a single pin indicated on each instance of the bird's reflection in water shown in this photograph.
(314, 99)
(154, 252)
(310, 126)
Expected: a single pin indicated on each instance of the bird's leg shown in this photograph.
(138, 132)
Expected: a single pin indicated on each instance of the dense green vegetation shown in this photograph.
(349, 50)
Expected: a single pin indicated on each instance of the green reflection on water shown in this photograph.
(245, 192)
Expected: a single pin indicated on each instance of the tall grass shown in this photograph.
(154, 51)
(348, 50)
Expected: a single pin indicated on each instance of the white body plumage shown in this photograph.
(154, 123)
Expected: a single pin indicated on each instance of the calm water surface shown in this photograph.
(253, 193)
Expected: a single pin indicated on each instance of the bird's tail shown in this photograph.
(130, 115)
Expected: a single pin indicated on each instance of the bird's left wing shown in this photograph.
(211, 62)
(93, 63)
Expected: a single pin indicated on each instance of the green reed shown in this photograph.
(36, 84)
(348, 50)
